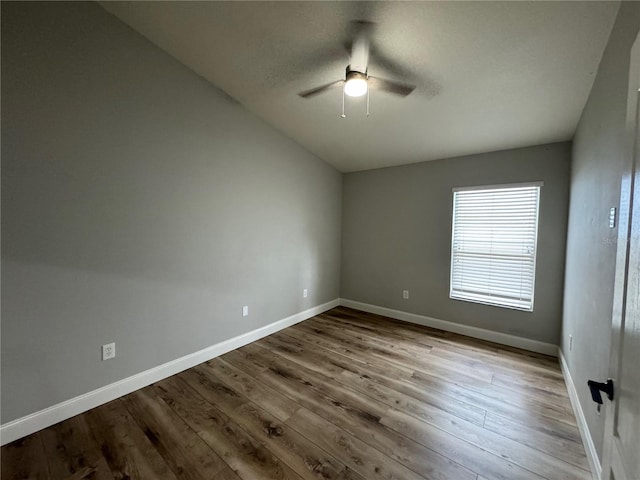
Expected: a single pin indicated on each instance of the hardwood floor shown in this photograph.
(345, 395)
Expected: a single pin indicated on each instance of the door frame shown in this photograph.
(611, 458)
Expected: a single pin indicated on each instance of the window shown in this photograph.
(493, 245)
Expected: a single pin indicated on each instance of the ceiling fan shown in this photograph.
(357, 81)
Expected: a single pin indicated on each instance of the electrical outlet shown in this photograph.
(108, 351)
(405, 294)
(305, 293)
(570, 342)
(245, 311)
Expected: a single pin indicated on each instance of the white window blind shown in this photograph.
(493, 247)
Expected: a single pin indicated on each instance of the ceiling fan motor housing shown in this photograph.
(353, 74)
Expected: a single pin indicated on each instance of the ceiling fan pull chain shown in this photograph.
(368, 93)
(343, 115)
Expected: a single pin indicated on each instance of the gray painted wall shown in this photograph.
(396, 225)
(591, 244)
(140, 205)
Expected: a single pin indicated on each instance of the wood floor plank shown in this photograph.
(84, 473)
(358, 416)
(249, 364)
(415, 360)
(387, 329)
(425, 407)
(72, 452)
(385, 384)
(361, 379)
(266, 397)
(25, 459)
(545, 391)
(331, 365)
(360, 457)
(382, 355)
(346, 395)
(519, 408)
(353, 350)
(188, 456)
(496, 444)
(483, 449)
(561, 441)
(554, 405)
(526, 414)
(408, 347)
(348, 474)
(520, 405)
(529, 459)
(532, 357)
(299, 351)
(411, 363)
(472, 456)
(496, 363)
(397, 343)
(459, 342)
(302, 455)
(244, 454)
(227, 474)
(421, 334)
(126, 449)
(549, 380)
(335, 345)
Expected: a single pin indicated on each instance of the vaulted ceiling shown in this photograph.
(489, 75)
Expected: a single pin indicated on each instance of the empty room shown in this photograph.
(320, 240)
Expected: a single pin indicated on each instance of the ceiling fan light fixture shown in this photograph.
(356, 84)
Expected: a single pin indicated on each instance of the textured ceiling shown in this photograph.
(490, 75)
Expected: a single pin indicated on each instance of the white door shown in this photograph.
(622, 431)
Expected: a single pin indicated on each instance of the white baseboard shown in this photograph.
(475, 332)
(587, 440)
(34, 422)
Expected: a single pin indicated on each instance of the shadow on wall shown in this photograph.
(139, 206)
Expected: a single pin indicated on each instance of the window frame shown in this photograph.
(483, 301)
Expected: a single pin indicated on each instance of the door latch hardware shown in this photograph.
(597, 387)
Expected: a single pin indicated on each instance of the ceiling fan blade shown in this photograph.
(389, 64)
(390, 86)
(322, 89)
